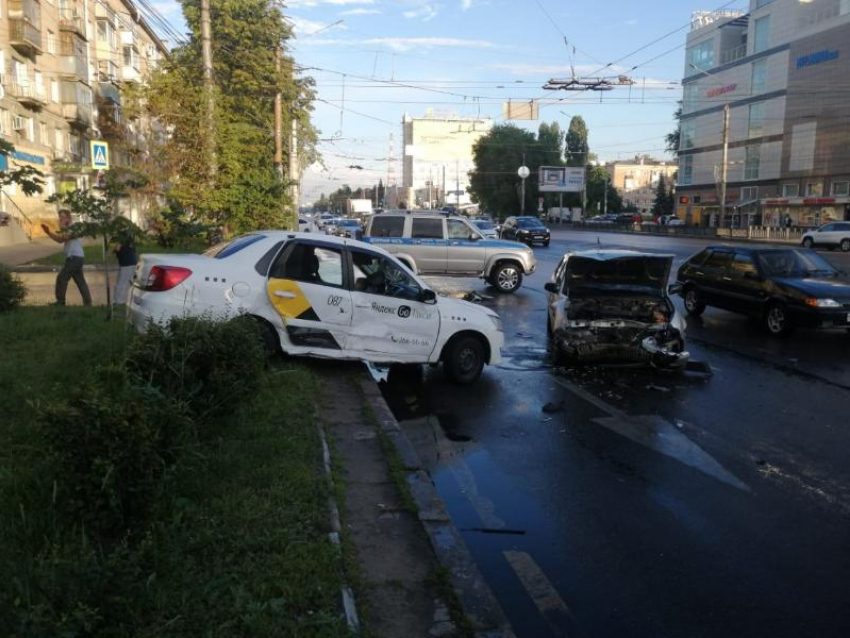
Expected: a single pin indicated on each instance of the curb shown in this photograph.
(479, 603)
(31, 268)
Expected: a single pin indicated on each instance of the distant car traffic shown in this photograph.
(486, 227)
(348, 228)
(321, 296)
(832, 236)
(612, 306)
(306, 225)
(528, 230)
(785, 288)
(432, 243)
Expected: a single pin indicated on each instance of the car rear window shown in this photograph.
(226, 250)
(427, 229)
(387, 227)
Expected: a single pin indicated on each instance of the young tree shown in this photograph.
(576, 140)
(659, 205)
(101, 215)
(494, 183)
(597, 183)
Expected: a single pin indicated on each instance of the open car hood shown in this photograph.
(612, 271)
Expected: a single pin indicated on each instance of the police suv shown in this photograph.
(440, 244)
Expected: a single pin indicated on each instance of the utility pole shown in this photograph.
(725, 165)
(457, 184)
(605, 208)
(522, 205)
(278, 120)
(206, 50)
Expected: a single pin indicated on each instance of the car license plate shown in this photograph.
(538, 237)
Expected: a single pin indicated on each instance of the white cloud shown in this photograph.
(466, 4)
(294, 4)
(303, 26)
(427, 11)
(405, 44)
(361, 12)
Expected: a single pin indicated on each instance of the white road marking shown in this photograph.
(550, 605)
(657, 434)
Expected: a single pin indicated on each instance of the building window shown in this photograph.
(762, 3)
(749, 194)
(814, 189)
(758, 83)
(687, 170)
(43, 136)
(74, 144)
(4, 122)
(755, 127)
(840, 189)
(701, 55)
(761, 39)
(690, 97)
(54, 90)
(29, 129)
(58, 140)
(688, 132)
(51, 42)
(752, 162)
(844, 8)
(790, 190)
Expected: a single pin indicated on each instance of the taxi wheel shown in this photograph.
(270, 338)
(507, 278)
(464, 361)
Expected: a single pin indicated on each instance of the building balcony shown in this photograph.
(24, 36)
(730, 55)
(130, 74)
(109, 92)
(129, 37)
(103, 12)
(72, 21)
(107, 71)
(27, 94)
(74, 66)
(78, 115)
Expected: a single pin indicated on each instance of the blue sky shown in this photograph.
(466, 57)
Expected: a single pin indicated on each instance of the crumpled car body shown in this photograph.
(613, 307)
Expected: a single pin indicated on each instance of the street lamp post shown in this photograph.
(523, 173)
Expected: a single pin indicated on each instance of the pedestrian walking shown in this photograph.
(127, 260)
(74, 259)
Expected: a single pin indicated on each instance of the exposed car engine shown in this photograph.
(610, 328)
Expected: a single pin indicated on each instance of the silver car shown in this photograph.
(442, 244)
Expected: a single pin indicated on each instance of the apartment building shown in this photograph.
(637, 180)
(783, 72)
(63, 67)
(438, 158)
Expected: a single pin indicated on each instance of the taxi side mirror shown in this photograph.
(674, 289)
(552, 287)
(428, 296)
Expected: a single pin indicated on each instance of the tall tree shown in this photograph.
(660, 204)
(673, 139)
(576, 140)
(597, 183)
(247, 192)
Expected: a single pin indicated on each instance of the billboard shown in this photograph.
(561, 179)
(520, 110)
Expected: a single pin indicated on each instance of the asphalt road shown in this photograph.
(643, 504)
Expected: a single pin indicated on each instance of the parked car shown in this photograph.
(437, 244)
(306, 225)
(832, 236)
(348, 228)
(601, 219)
(486, 227)
(321, 296)
(785, 288)
(624, 218)
(528, 230)
(612, 306)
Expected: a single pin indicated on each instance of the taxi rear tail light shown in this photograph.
(163, 278)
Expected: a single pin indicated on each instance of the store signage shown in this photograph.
(722, 90)
(819, 200)
(28, 157)
(684, 200)
(816, 58)
(61, 167)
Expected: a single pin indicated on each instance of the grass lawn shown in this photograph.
(94, 253)
(239, 546)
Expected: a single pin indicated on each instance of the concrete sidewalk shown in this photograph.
(393, 528)
(18, 254)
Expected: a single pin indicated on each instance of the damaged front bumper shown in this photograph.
(617, 342)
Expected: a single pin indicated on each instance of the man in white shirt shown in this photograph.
(74, 255)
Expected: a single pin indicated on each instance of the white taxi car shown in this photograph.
(321, 296)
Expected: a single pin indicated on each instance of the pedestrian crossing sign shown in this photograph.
(99, 155)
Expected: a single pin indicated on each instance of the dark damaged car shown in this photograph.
(612, 307)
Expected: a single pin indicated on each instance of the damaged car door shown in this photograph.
(613, 307)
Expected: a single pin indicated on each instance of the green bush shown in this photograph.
(109, 444)
(12, 290)
(211, 366)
